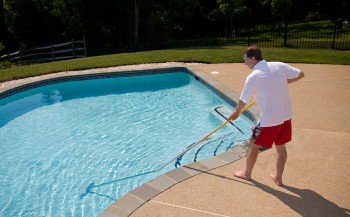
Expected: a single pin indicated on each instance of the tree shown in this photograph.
(25, 22)
(164, 22)
(134, 21)
(5, 36)
(281, 8)
(230, 9)
(334, 9)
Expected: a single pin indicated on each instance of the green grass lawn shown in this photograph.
(225, 54)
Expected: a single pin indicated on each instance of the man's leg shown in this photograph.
(250, 162)
(280, 164)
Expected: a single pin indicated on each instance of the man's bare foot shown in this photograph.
(242, 175)
(277, 181)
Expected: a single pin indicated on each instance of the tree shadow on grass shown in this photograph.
(307, 202)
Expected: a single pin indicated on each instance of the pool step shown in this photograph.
(223, 112)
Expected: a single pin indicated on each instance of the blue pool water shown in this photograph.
(56, 140)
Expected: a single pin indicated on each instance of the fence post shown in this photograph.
(35, 55)
(52, 52)
(335, 29)
(84, 46)
(73, 48)
(249, 31)
(20, 55)
(285, 35)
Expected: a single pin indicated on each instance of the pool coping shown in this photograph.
(131, 201)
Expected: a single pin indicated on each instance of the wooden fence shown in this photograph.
(53, 52)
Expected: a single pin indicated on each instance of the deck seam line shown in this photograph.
(188, 208)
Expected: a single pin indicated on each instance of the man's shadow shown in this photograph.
(307, 203)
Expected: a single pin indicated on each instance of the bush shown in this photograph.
(5, 64)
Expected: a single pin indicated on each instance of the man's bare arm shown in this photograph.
(300, 76)
(236, 113)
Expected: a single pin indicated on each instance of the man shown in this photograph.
(268, 83)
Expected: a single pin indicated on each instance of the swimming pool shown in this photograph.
(59, 136)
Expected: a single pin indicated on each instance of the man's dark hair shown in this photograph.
(253, 51)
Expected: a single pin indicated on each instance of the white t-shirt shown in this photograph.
(269, 84)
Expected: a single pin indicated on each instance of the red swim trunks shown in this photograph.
(279, 134)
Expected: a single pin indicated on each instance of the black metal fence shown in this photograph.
(299, 34)
(264, 32)
(267, 32)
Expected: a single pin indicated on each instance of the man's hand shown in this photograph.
(238, 110)
(233, 116)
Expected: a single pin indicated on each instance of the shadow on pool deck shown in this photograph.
(317, 173)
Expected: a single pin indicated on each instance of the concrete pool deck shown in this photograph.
(316, 176)
(317, 173)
